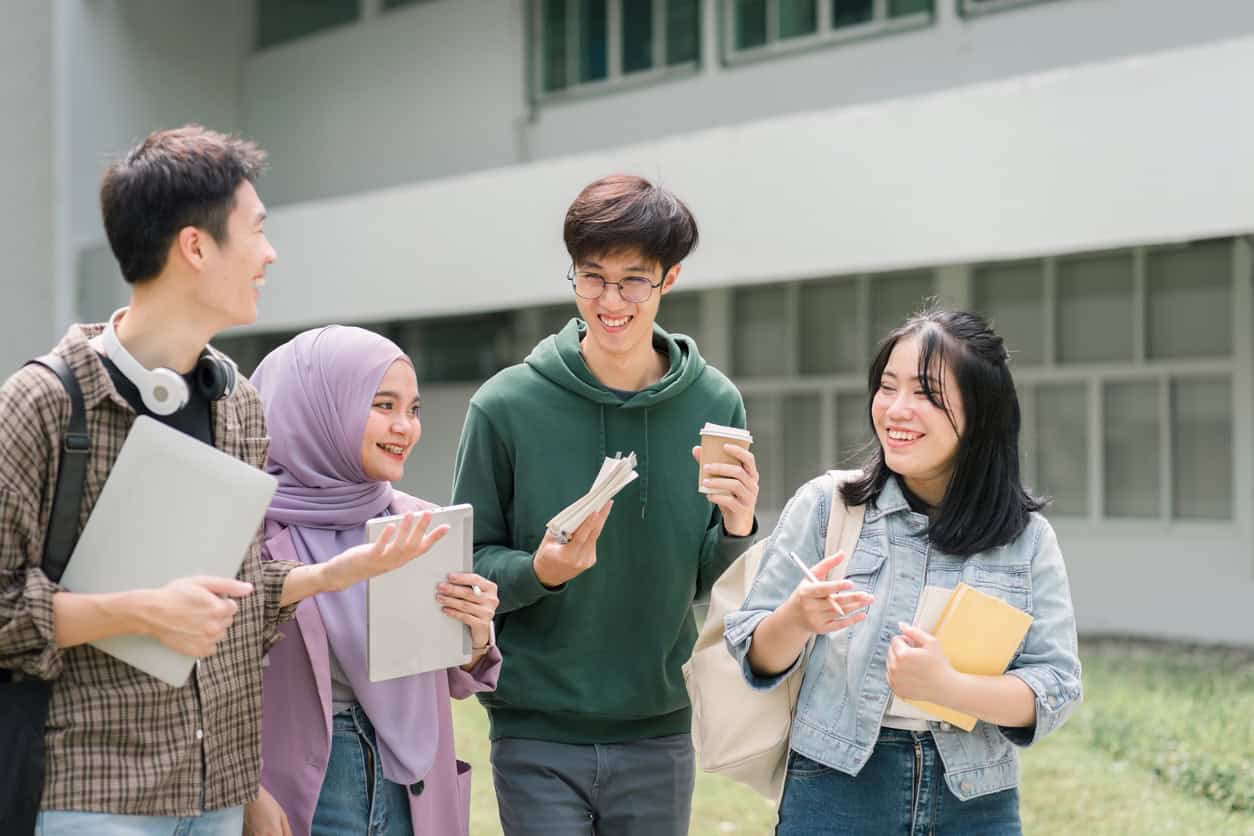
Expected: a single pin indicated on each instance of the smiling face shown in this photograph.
(919, 439)
(618, 328)
(234, 269)
(393, 426)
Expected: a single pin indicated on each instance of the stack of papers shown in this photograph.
(616, 474)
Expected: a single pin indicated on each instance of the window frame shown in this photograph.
(1092, 376)
(825, 35)
(1142, 368)
(972, 8)
(615, 80)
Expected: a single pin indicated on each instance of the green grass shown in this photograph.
(1163, 745)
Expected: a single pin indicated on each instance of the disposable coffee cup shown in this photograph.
(713, 437)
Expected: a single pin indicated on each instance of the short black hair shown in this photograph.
(625, 212)
(985, 504)
(175, 178)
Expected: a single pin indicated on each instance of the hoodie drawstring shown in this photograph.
(642, 462)
(603, 453)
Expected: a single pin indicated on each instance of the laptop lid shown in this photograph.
(172, 507)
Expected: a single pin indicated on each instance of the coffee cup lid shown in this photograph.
(727, 432)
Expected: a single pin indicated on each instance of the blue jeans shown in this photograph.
(355, 797)
(228, 822)
(638, 788)
(900, 790)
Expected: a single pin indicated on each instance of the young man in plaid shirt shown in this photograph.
(124, 751)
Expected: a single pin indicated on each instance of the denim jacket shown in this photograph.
(845, 693)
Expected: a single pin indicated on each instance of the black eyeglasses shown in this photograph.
(634, 289)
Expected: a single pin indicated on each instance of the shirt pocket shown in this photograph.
(864, 572)
(864, 567)
(1008, 582)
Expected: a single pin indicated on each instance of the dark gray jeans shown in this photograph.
(641, 788)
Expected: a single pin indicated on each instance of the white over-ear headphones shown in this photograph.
(164, 391)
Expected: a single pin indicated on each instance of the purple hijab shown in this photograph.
(317, 389)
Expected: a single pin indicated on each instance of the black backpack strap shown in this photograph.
(67, 502)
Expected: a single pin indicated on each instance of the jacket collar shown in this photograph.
(93, 378)
(891, 500)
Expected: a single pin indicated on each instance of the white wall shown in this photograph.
(140, 65)
(954, 51)
(1141, 150)
(27, 206)
(1164, 581)
(414, 93)
(439, 88)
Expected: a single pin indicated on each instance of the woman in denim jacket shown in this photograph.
(943, 504)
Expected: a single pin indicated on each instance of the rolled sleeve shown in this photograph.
(1049, 663)
(800, 530)
(482, 677)
(27, 627)
(273, 575)
(738, 636)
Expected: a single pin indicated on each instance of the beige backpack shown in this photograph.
(738, 731)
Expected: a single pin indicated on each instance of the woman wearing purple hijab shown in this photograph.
(342, 754)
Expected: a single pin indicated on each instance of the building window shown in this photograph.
(588, 45)
(800, 355)
(457, 349)
(280, 21)
(1124, 365)
(764, 27)
(971, 8)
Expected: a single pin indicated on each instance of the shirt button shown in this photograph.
(417, 787)
(200, 734)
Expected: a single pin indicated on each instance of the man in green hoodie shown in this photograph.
(590, 720)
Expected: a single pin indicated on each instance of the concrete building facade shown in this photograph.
(1081, 171)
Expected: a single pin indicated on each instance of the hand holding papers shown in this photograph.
(570, 546)
(616, 474)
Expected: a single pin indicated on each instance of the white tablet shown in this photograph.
(172, 507)
(407, 632)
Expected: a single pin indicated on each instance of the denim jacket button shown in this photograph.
(946, 727)
(965, 786)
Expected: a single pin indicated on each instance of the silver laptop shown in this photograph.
(173, 507)
(407, 632)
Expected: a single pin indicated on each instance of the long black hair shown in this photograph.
(985, 504)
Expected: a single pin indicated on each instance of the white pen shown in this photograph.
(805, 570)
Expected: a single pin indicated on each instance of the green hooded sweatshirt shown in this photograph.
(596, 660)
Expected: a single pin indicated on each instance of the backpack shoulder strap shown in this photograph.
(844, 525)
(67, 502)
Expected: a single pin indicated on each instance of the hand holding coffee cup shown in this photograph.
(728, 475)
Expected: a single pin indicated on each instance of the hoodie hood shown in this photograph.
(559, 360)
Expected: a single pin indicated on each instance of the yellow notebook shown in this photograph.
(979, 634)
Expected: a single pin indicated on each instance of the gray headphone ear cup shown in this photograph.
(215, 375)
(164, 393)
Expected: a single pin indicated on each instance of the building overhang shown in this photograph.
(1153, 148)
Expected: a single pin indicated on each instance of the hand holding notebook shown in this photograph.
(978, 634)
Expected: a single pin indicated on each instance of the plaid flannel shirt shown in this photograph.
(118, 740)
